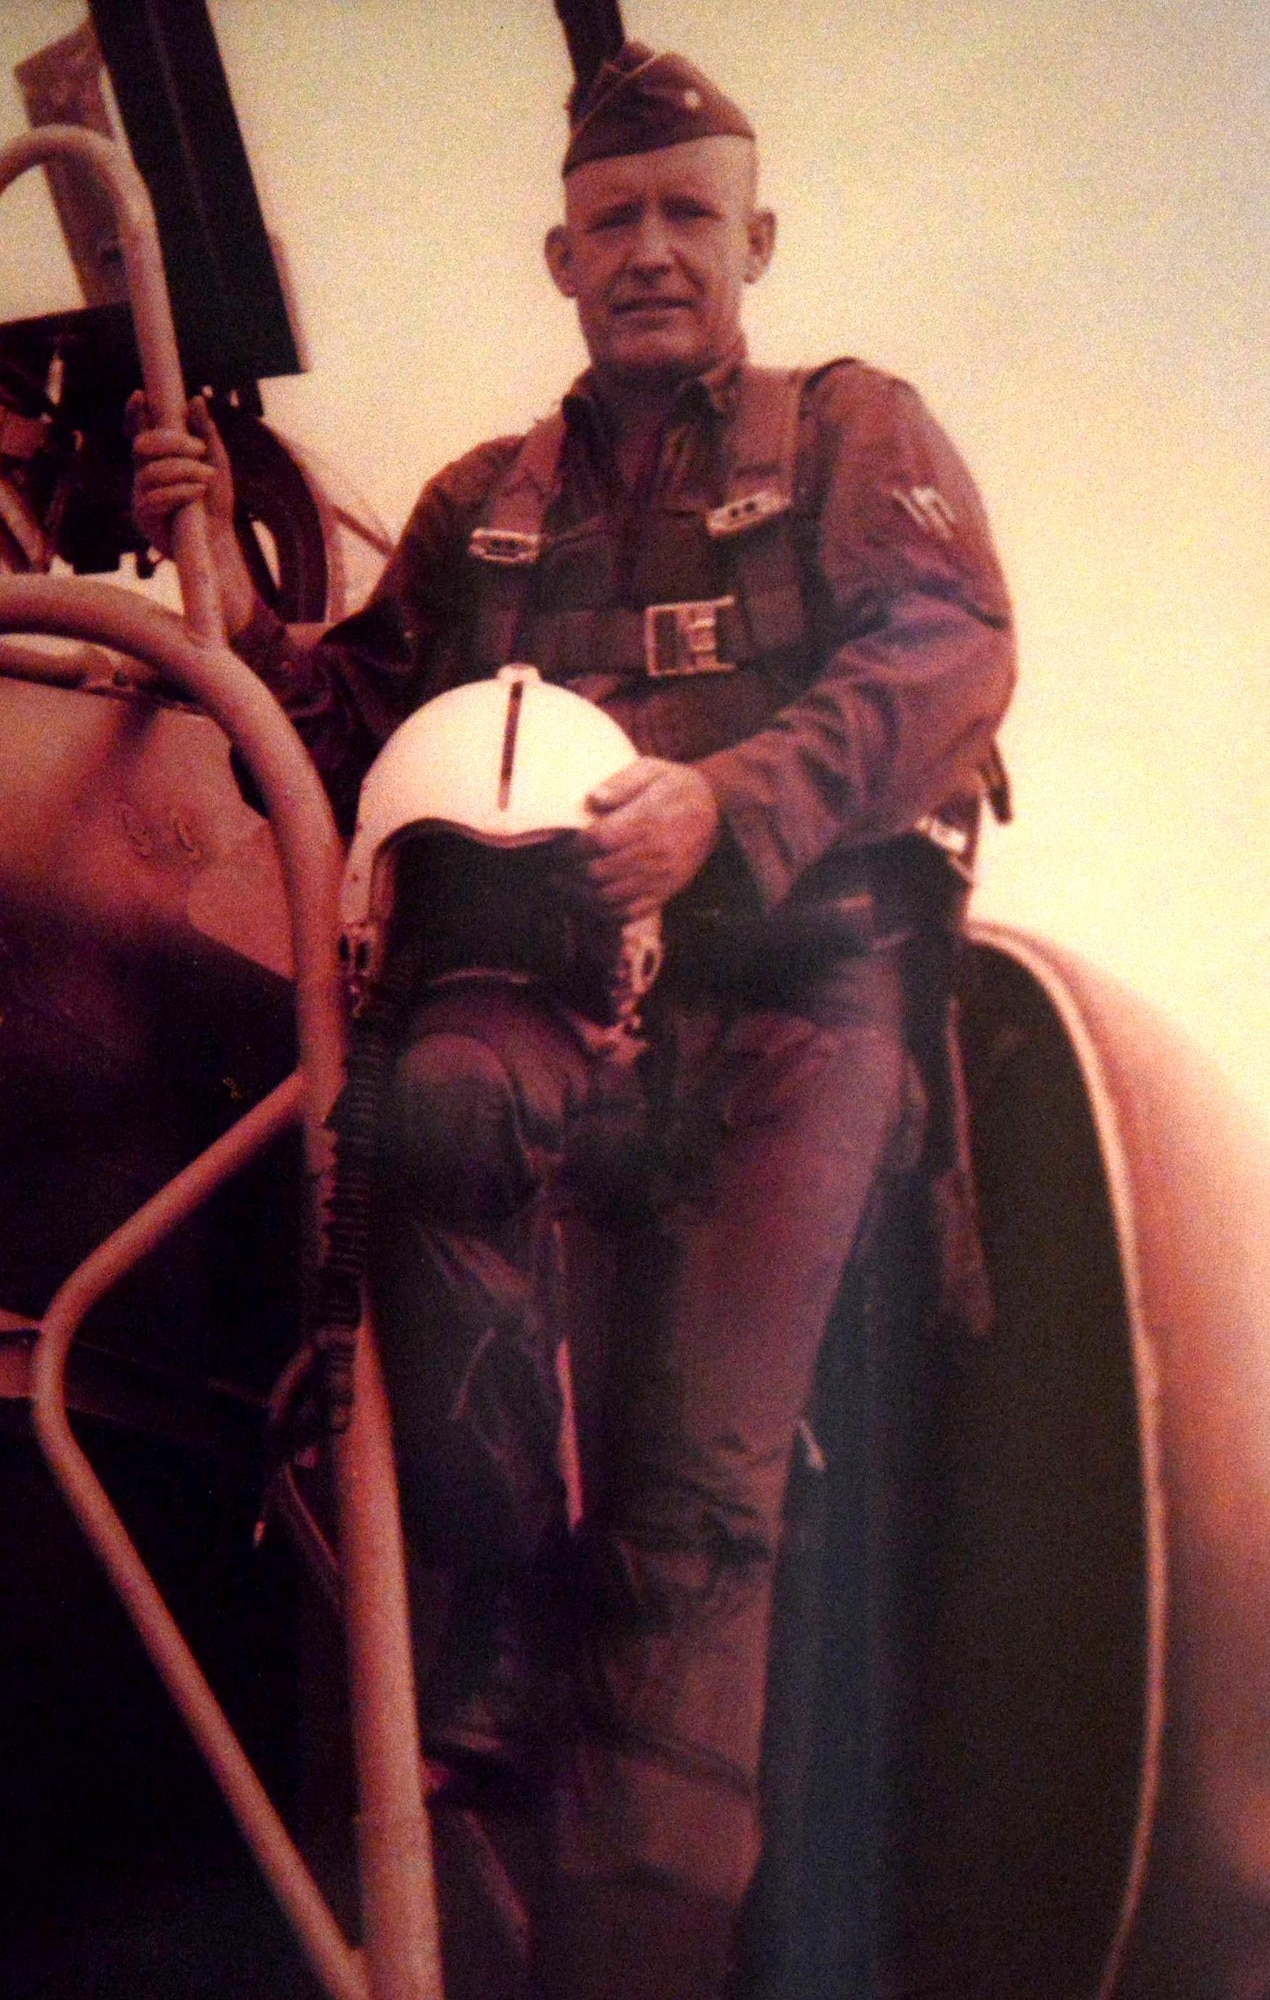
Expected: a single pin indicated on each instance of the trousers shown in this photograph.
(728, 1173)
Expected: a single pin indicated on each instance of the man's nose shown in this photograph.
(651, 250)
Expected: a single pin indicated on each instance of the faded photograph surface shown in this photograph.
(771, 869)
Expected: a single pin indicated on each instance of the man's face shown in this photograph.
(656, 248)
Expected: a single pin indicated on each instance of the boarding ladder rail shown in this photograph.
(399, 1957)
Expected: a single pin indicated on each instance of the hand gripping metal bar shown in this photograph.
(152, 319)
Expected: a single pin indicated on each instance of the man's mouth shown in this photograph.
(631, 308)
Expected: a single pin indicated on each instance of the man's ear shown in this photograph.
(558, 251)
(761, 235)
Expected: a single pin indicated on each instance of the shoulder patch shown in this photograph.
(926, 506)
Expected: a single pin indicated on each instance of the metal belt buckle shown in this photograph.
(684, 638)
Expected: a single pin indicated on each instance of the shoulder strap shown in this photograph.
(763, 449)
(522, 496)
(762, 466)
(510, 542)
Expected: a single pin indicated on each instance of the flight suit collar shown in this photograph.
(715, 389)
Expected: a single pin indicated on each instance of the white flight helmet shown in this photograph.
(508, 763)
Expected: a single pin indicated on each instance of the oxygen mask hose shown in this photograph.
(356, 1122)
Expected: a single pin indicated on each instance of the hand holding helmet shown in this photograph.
(515, 764)
(655, 825)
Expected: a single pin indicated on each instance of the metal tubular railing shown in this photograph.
(400, 1940)
(336, 1965)
(152, 318)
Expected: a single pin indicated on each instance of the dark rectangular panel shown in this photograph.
(170, 84)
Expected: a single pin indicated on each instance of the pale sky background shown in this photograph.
(1052, 216)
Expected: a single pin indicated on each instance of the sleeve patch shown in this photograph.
(926, 506)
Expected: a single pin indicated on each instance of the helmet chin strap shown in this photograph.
(639, 961)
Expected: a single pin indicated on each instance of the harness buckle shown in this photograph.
(684, 638)
(735, 516)
(509, 547)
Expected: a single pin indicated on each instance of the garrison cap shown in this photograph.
(639, 102)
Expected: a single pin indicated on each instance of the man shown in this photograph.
(815, 699)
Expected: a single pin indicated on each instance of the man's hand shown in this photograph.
(171, 468)
(655, 823)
